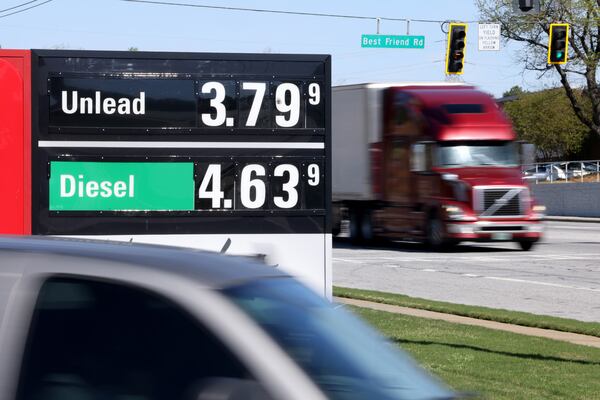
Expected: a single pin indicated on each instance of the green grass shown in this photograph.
(511, 317)
(493, 364)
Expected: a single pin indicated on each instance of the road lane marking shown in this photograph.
(482, 259)
(540, 283)
(348, 261)
(572, 228)
(515, 280)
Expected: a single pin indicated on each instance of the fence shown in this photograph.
(562, 171)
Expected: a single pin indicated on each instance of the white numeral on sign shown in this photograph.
(314, 94)
(213, 174)
(259, 88)
(246, 183)
(293, 107)
(314, 176)
(289, 187)
(216, 103)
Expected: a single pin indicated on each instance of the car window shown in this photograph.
(104, 341)
(345, 358)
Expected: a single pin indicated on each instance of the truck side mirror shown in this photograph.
(528, 151)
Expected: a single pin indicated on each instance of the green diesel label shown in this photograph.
(121, 186)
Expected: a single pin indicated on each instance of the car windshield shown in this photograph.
(344, 357)
(476, 153)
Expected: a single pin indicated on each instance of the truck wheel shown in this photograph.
(434, 233)
(335, 230)
(526, 245)
(355, 225)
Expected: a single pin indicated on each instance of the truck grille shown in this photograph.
(499, 202)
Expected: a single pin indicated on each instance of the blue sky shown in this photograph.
(118, 25)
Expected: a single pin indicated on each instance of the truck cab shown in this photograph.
(444, 168)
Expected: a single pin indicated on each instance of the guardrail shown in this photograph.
(562, 171)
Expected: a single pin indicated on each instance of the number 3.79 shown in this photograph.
(287, 102)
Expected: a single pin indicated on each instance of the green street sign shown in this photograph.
(121, 186)
(393, 41)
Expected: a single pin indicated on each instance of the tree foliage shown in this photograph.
(547, 120)
(584, 47)
(513, 91)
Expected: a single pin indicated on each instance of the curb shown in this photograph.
(574, 338)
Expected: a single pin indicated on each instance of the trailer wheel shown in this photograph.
(366, 226)
(336, 220)
(355, 225)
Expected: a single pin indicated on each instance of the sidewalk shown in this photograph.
(574, 338)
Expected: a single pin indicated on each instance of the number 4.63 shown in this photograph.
(260, 186)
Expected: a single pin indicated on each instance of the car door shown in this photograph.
(101, 340)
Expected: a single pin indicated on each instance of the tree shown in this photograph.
(584, 46)
(513, 91)
(560, 134)
(133, 49)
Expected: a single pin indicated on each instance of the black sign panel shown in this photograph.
(136, 102)
(251, 132)
(96, 102)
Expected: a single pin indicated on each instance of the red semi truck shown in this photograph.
(432, 162)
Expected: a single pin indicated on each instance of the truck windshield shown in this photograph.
(476, 153)
(344, 357)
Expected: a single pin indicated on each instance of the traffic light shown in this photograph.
(526, 7)
(455, 51)
(558, 44)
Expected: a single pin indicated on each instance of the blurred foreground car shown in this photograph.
(88, 320)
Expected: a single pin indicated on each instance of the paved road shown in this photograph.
(560, 277)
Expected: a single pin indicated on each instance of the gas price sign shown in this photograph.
(184, 103)
(216, 185)
(261, 185)
(226, 152)
(223, 152)
(261, 104)
(138, 139)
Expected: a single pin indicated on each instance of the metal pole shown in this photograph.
(408, 27)
(378, 23)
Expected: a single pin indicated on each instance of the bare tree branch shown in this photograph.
(583, 17)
